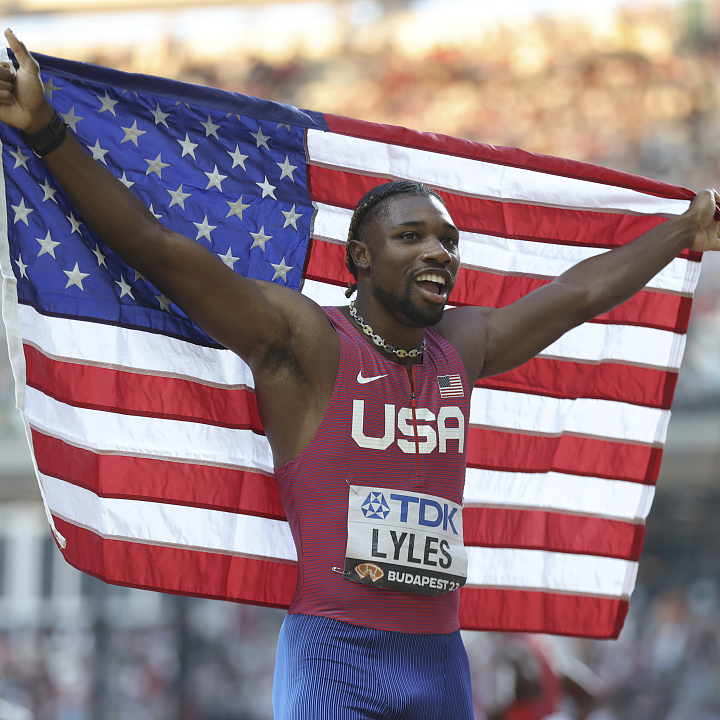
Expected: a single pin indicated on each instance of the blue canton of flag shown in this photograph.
(375, 506)
(234, 182)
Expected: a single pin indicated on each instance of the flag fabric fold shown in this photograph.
(145, 433)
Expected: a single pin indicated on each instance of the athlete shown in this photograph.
(365, 408)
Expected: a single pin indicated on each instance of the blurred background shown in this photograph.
(631, 85)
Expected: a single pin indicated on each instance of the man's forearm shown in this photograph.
(607, 280)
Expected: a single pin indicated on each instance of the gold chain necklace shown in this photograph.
(379, 341)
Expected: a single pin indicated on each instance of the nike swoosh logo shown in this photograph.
(362, 380)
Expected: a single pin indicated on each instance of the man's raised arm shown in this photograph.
(502, 338)
(243, 314)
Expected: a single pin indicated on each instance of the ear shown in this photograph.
(360, 253)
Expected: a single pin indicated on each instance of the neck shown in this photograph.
(408, 353)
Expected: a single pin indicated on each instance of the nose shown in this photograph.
(436, 250)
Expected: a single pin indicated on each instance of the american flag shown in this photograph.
(146, 437)
(450, 386)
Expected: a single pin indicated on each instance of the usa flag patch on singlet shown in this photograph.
(450, 386)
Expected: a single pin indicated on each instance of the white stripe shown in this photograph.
(114, 346)
(518, 257)
(550, 571)
(552, 416)
(635, 345)
(114, 433)
(557, 492)
(165, 524)
(477, 178)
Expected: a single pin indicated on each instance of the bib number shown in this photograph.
(405, 541)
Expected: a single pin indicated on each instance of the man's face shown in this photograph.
(415, 259)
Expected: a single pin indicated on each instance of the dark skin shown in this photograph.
(285, 338)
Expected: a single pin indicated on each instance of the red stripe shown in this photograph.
(519, 221)
(179, 571)
(513, 157)
(664, 311)
(606, 381)
(517, 452)
(113, 390)
(524, 611)
(225, 577)
(554, 532)
(133, 478)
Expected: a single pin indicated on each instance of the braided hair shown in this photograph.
(364, 208)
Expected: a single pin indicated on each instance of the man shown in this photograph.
(365, 408)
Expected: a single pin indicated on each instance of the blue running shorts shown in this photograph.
(330, 670)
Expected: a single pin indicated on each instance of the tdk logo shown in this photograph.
(375, 506)
(413, 510)
(430, 513)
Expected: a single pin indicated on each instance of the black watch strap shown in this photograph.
(47, 138)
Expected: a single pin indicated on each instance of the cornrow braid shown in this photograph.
(371, 200)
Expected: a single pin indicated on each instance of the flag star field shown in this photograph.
(234, 183)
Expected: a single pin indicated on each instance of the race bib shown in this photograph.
(406, 541)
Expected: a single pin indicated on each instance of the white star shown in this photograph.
(139, 276)
(204, 229)
(75, 277)
(188, 147)
(124, 180)
(287, 169)
(237, 207)
(279, 125)
(178, 197)
(159, 115)
(259, 239)
(49, 88)
(107, 103)
(98, 254)
(75, 224)
(291, 217)
(260, 138)
(132, 134)
(267, 188)
(47, 245)
(97, 152)
(210, 127)
(71, 118)
(229, 259)
(156, 166)
(215, 179)
(164, 302)
(281, 270)
(20, 158)
(237, 157)
(19, 262)
(21, 212)
(157, 217)
(125, 289)
(48, 192)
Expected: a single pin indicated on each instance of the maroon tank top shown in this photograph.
(373, 452)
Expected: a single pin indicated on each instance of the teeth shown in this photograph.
(432, 278)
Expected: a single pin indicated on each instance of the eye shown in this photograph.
(451, 240)
(409, 235)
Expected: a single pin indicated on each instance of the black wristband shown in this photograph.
(47, 138)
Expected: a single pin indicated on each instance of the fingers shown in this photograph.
(24, 58)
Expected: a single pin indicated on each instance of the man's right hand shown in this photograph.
(23, 104)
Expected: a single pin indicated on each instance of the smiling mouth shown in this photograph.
(432, 283)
